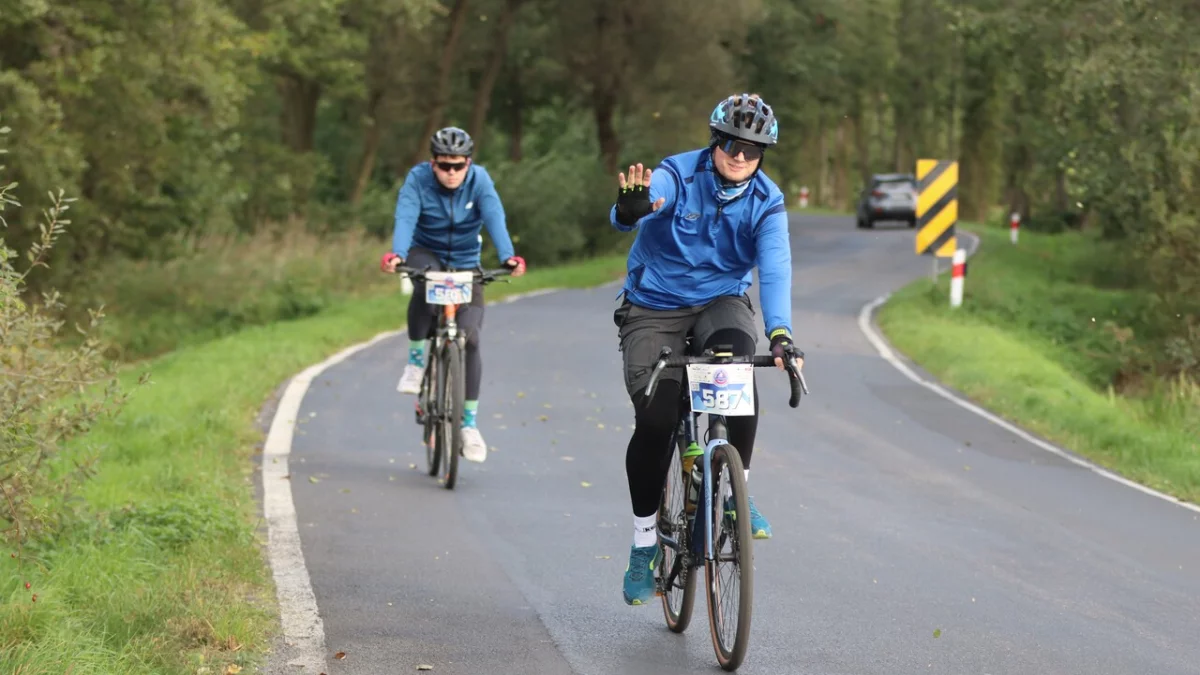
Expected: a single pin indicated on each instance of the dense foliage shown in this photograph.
(202, 118)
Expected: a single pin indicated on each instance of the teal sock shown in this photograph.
(416, 353)
(469, 409)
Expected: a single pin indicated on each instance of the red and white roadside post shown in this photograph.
(958, 270)
(804, 197)
(1014, 225)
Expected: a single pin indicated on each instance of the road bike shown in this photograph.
(439, 406)
(719, 385)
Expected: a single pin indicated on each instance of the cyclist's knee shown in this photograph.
(741, 341)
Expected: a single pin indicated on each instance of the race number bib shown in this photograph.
(724, 389)
(448, 288)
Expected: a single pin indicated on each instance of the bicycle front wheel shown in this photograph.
(430, 402)
(453, 385)
(730, 574)
(677, 595)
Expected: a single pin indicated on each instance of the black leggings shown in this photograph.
(648, 457)
(422, 318)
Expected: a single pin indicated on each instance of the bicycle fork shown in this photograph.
(705, 522)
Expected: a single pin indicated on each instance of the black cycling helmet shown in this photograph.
(451, 141)
(745, 117)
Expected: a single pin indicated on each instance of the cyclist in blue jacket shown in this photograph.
(704, 220)
(441, 208)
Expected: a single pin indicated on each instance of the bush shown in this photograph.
(44, 390)
(220, 284)
(556, 201)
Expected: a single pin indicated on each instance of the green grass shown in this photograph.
(165, 574)
(1047, 332)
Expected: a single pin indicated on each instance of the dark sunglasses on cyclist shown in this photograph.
(732, 147)
(451, 167)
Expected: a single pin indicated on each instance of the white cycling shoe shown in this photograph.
(474, 449)
(410, 381)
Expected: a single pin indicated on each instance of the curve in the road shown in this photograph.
(894, 514)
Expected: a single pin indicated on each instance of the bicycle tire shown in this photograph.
(429, 396)
(730, 657)
(451, 398)
(673, 519)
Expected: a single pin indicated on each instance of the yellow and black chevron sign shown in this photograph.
(937, 207)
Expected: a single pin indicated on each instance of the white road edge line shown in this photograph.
(865, 325)
(303, 630)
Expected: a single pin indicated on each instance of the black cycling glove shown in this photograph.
(782, 346)
(633, 202)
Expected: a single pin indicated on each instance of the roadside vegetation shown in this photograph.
(231, 170)
(1057, 335)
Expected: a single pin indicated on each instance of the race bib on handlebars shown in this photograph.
(448, 288)
(722, 389)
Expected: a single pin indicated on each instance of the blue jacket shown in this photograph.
(694, 249)
(448, 223)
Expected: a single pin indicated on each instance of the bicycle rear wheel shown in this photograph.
(730, 575)
(677, 599)
(430, 407)
(450, 398)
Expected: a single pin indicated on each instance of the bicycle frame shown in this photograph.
(717, 435)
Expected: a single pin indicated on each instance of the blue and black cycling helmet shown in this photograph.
(745, 117)
(451, 141)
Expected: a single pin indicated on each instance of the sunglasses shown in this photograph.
(732, 147)
(451, 167)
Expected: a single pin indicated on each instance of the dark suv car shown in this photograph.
(889, 196)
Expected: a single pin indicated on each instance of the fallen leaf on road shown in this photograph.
(547, 405)
(600, 425)
(520, 394)
(391, 478)
(413, 465)
(585, 484)
(424, 666)
(391, 460)
(340, 655)
(567, 458)
(543, 418)
(937, 632)
(314, 479)
(603, 557)
(345, 490)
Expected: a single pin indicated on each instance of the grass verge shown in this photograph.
(164, 573)
(1043, 333)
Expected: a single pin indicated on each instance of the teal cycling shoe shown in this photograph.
(759, 527)
(639, 575)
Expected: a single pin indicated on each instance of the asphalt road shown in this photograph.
(896, 514)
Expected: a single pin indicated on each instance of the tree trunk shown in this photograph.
(458, 15)
(604, 105)
(517, 132)
(841, 165)
(822, 191)
(606, 82)
(371, 140)
(861, 142)
(299, 118)
(483, 95)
